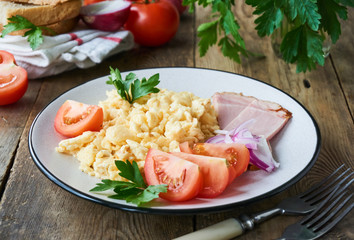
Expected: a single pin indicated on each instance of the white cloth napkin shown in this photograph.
(82, 48)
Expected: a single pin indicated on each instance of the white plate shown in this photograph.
(296, 147)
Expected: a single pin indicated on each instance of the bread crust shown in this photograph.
(58, 28)
(41, 15)
(39, 2)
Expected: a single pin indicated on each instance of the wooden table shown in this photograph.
(32, 207)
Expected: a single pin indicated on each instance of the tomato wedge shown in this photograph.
(236, 154)
(73, 118)
(184, 147)
(184, 178)
(215, 173)
(13, 79)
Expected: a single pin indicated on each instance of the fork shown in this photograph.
(301, 204)
(321, 220)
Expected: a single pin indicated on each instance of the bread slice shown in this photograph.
(39, 2)
(58, 28)
(40, 15)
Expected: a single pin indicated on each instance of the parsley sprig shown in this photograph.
(34, 33)
(131, 88)
(222, 31)
(135, 191)
(309, 19)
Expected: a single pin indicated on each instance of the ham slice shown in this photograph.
(234, 109)
(229, 105)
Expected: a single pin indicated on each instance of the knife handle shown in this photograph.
(232, 227)
(226, 229)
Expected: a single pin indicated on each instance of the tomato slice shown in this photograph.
(73, 118)
(215, 173)
(236, 154)
(13, 79)
(184, 147)
(184, 178)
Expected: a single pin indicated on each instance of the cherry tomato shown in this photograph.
(236, 154)
(153, 23)
(73, 118)
(184, 178)
(13, 79)
(215, 173)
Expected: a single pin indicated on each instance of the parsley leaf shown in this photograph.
(229, 49)
(135, 191)
(131, 172)
(144, 87)
(149, 194)
(307, 12)
(35, 37)
(34, 33)
(124, 193)
(223, 30)
(109, 184)
(349, 3)
(329, 9)
(271, 16)
(132, 88)
(231, 27)
(208, 36)
(304, 46)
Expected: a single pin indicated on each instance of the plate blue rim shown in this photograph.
(147, 210)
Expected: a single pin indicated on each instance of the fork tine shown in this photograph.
(324, 212)
(326, 185)
(305, 219)
(323, 194)
(335, 221)
(327, 211)
(343, 188)
(334, 212)
(320, 183)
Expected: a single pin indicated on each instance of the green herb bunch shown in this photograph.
(133, 191)
(131, 88)
(34, 33)
(302, 43)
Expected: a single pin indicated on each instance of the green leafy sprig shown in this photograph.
(222, 31)
(34, 33)
(131, 88)
(301, 44)
(135, 191)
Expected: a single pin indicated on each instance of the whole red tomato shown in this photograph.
(153, 23)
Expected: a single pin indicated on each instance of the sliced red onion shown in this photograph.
(260, 151)
(216, 139)
(262, 156)
(238, 135)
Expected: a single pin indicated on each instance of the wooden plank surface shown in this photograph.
(42, 210)
(12, 122)
(32, 207)
(342, 57)
(324, 98)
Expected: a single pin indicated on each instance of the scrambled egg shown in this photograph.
(160, 120)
